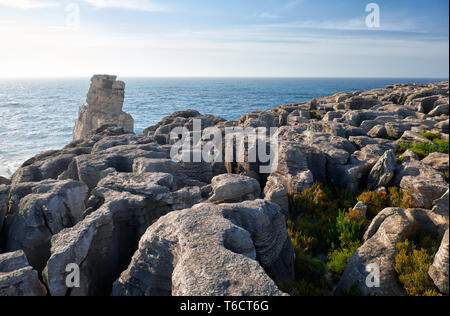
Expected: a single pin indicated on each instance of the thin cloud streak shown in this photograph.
(27, 4)
(132, 5)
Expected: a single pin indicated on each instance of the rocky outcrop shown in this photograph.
(383, 171)
(104, 106)
(213, 250)
(391, 226)
(234, 188)
(46, 209)
(138, 222)
(17, 278)
(275, 192)
(439, 269)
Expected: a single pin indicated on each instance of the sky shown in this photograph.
(224, 38)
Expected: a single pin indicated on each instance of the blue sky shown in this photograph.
(232, 38)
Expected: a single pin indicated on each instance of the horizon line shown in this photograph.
(228, 77)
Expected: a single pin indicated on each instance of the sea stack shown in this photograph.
(104, 106)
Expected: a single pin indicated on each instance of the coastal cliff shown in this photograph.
(136, 222)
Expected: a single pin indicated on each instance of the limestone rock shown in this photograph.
(383, 171)
(437, 161)
(276, 193)
(211, 250)
(104, 106)
(49, 208)
(234, 188)
(439, 269)
(391, 226)
(17, 278)
(424, 183)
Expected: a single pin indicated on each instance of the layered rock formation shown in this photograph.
(104, 106)
(138, 223)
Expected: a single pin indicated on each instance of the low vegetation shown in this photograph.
(424, 149)
(326, 232)
(315, 116)
(412, 263)
(393, 197)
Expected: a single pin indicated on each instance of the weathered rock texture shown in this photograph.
(104, 106)
(111, 194)
(439, 270)
(391, 226)
(212, 250)
(17, 278)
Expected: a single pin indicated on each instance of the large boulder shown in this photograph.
(275, 192)
(437, 161)
(49, 207)
(424, 183)
(383, 171)
(17, 277)
(390, 226)
(212, 250)
(439, 269)
(234, 188)
(104, 106)
(103, 243)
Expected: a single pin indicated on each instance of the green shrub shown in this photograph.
(424, 149)
(311, 212)
(352, 291)
(310, 278)
(314, 115)
(339, 258)
(430, 135)
(377, 201)
(412, 263)
(446, 174)
(344, 236)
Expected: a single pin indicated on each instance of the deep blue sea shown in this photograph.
(38, 115)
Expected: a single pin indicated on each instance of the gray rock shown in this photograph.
(361, 207)
(441, 205)
(51, 207)
(437, 161)
(383, 171)
(390, 227)
(4, 181)
(174, 255)
(234, 188)
(4, 196)
(424, 183)
(104, 106)
(439, 269)
(413, 138)
(275, 192)
(293, 168)
(359, 103)
(17, 278)
(102, 244)
(378, 131)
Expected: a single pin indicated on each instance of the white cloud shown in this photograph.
(267, 15)
(27, 4)
(134, 5)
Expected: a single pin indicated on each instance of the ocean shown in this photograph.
(38, 115)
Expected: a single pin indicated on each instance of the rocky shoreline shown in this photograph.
(137, 223)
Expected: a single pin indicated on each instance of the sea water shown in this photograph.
(39, 114)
